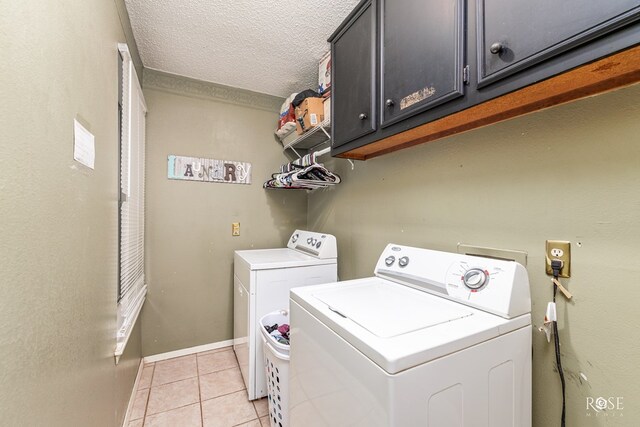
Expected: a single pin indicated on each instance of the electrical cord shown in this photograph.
(556, 265)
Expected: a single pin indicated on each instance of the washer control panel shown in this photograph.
(321, 245)
(465, 278)
(497, 286)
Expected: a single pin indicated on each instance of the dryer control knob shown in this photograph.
(474, 278)
(309, 240)
(294, 238)
(389, 260)
(404, 261)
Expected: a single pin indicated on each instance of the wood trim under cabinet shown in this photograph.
(613, 72)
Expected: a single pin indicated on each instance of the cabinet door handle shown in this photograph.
(496, 48)
(389, 102)
(362, 116)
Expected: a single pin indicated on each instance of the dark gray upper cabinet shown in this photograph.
(514, 35)
(399, 65)
(353, 80)
(421, 56)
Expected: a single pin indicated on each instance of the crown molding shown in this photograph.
(179, 85)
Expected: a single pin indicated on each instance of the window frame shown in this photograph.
(132, 110)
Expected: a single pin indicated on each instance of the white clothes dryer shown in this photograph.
(433, 339)
(262, 280)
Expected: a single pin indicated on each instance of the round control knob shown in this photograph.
(496, 48)
(474, 278)
(404, 261)
(362, 116)
(389, 260)
(389, 102)
(318, 245)
(294, 238)
(309, 240)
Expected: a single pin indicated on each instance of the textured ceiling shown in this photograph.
(269, 46)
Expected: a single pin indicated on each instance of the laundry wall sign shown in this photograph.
(208, 170)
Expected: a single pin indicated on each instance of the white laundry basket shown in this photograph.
(276, 364)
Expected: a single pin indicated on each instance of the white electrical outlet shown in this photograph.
(558, 249)
(556, 252)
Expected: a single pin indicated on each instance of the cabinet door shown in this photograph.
(516, 34)
(421, 55)
(353, 80)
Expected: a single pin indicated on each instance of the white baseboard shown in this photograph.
(132, 399)
(187, 351)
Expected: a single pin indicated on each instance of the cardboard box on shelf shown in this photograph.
(309, 114)
(324, 73)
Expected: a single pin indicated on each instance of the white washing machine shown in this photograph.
(434, 339)
(262, 280)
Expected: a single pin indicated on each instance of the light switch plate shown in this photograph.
(235, 229)
(558, 249)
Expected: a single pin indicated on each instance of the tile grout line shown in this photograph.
(173, 382)
(173, 409)
(227, 394)
(219, 370)
(146, 406)
(256, 408)
(255, 411)
(241, 424)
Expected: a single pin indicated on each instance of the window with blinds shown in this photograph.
(131, 288)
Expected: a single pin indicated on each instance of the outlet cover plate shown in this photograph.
(558, 249)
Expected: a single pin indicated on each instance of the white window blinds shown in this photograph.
(132, 289)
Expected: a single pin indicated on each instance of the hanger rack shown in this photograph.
(322, 152)
(304, 173)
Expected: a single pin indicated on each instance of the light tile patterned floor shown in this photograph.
(201, 390)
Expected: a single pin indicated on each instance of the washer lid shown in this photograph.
(395, 326)
(388, 311)
(264, 259)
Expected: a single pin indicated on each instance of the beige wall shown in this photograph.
(189, 248)
(571, 172)
(58, 274)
